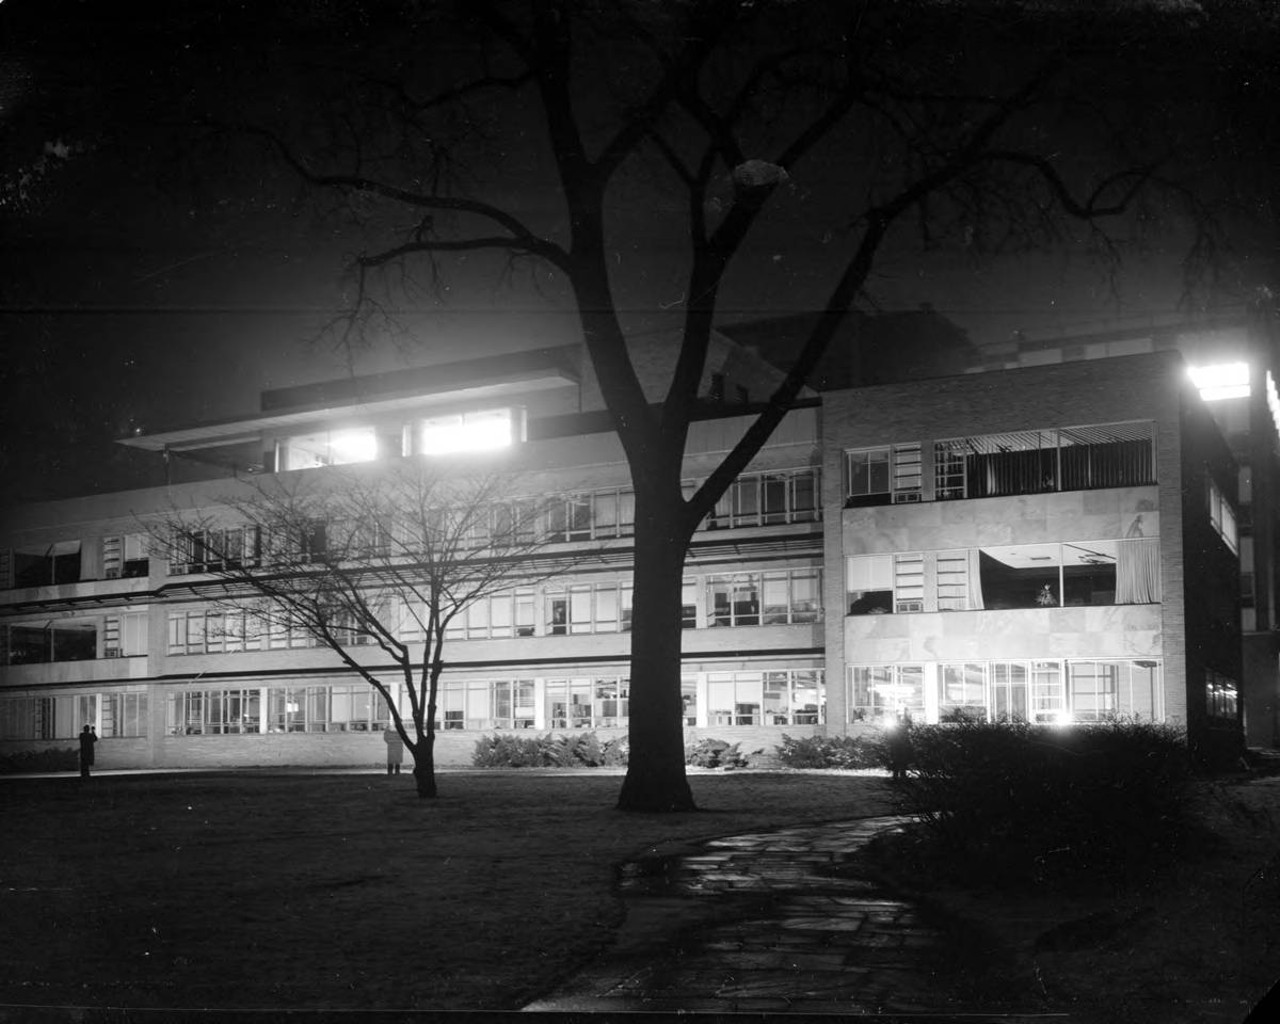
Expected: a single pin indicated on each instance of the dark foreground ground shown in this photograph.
(297, 893)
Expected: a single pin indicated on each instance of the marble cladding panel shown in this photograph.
(991, 522)
(1095, 632)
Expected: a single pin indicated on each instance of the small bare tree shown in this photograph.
(373, 566)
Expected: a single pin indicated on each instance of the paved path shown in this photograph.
(761, 923)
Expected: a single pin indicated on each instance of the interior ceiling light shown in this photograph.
(1221, 380)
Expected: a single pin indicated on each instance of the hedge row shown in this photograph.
(64, 760)
(1041, 802)
(585, 750)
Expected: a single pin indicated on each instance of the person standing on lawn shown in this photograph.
(899, 743)
(87, 739)
(395, 749)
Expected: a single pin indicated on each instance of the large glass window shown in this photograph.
(1080, 573)
(1223, 518)
(962, 692)
(124, 714)
(870, 584)
(1009, 691)
(47, 718)
(878, 476)
(886, 690)
(570, 703)
(788, 596)
(1222, 696)
(1034, 461)
(214, 550)
(483, 430)
(330, 448)
(589, 608)
(505, 614)
(216, 631)
(596, 515)
(1094, 689)
(767, 499)
(47, 565)
(65, 640)
(213, 712)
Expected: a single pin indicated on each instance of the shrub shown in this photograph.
(1044, 802)
(832, 752)
(713, 753)
(576, 750)
(501, 751)
(65, 760)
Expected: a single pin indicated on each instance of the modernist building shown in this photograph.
(1235, 362)
(1054, 543)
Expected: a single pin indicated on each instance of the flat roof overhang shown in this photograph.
(226, 432)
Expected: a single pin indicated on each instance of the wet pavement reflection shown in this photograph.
(766, 922)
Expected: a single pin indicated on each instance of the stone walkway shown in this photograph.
(762, 923)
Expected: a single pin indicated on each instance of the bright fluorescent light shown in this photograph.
(469, 432)
(356, 445)
(1221, 380)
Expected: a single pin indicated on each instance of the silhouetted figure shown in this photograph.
(899, 744)
(395, 749)
(87, 739)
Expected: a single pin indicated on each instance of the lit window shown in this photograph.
(1221, 380)
(1222, 517)
(331, 448)
(466, 432)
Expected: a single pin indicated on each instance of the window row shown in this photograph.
(112, 715)
(355, 708)
(1102, 572)
(123, 555)
(993, 465)
(110, 636)
(754, 499)
(480, 430)
(758, 499)
(1048, 690)
(769, 697)
(772, 597)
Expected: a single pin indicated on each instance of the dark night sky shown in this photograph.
(138, 291)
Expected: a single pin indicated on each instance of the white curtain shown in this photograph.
(975, 579)
(1138, 571)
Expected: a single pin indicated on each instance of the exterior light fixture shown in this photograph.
(1221, 380)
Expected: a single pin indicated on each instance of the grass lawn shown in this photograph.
(258, 890)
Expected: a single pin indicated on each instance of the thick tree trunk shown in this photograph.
(424, 767)
(655, 778)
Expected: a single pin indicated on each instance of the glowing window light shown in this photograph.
(466, 432)
(358, 445)
(1221, 380)
(1273, 401)
(331, 448)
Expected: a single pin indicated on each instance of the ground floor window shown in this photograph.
(1043, 690)
(486, 704)
(49, 718)
(355, 707)
(587, 703)
(778, 697)
(124, 714)
(1222, 695)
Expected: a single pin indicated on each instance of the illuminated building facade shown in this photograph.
(1020, 544)
(1234, 362)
